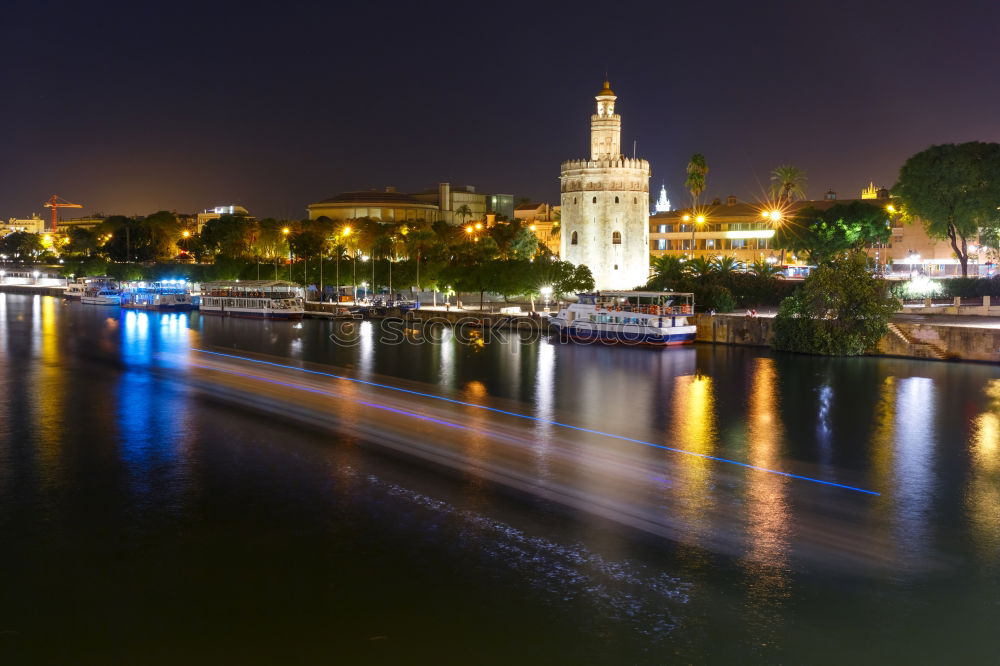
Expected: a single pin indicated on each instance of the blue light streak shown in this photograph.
(526, 417)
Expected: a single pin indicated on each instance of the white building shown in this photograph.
(605, 205)
(33, 225)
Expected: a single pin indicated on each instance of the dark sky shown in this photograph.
(134, 107)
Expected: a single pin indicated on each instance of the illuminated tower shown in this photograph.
(663, 203)
(605, 205)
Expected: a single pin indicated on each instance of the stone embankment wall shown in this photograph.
(942, 342)
(928, 341)
(734, 330)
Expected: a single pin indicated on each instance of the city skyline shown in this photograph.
(185, 108)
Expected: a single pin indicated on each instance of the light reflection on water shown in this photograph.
(153, 413)
(933, 453)
(983, 496)
(913, 469)
(692, 428)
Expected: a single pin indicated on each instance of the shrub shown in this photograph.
(841, 310)
(715, 297)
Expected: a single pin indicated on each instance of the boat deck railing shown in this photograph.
(671, 310)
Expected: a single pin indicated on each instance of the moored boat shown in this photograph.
(76, 288)
(655, 318)
(160, 295)
(102, 292)
(270, 299)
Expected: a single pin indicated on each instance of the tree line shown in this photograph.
(504, 258)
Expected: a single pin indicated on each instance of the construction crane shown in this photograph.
(55, 203)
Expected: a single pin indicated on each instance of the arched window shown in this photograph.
(616, 266)
(572, 240)
(595, 200)
(574, 201)
(635, 200)
(616, 238)
(616, 199)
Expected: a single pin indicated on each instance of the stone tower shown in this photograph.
(605, 205)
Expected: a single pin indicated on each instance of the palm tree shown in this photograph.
(761, 268)
(699, 266)
(697, 172)
(788, 182)
(668, 267)
(464, 211)
(725, 265)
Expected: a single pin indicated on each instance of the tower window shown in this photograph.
(635, 200)
(616, 238)
(595, 200)
(616, 266)
(574, 201)
(572, 240)
(616, 200)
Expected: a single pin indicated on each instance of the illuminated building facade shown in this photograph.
(605, 205)
(218, 211)
(454, 205)
(745, 231)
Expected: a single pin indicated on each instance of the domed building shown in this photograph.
(605, 205)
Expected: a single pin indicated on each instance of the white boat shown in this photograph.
(76, 288)
(161, 295)
(657, 318)
(101, 294)
(270, 299)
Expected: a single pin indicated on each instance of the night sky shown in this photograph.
(134, 107)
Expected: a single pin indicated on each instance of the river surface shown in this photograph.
(177, 488)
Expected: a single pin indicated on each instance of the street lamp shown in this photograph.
(284, 232)
(546, 291)
(344, 233)
(699, 219)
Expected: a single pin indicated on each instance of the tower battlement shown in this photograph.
(610, 163)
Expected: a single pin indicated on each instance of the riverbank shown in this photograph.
(32, 289)
(935, 337)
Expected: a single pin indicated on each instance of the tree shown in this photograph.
(667, 272)
(699, 266)
(81, 241)
(841, 310)
(788, 182)
(697, 173)
(955, 190)
(161, 232)
(463, 211)
(824, 234)
(725, 264)
(762, 268)
(21, 244)
(229, 236)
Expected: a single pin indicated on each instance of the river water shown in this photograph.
(179, 488)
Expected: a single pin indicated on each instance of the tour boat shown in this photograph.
(657, 318)
(101, 293)
(271, 299)
(162, 295)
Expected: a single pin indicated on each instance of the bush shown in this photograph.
(714, 297)
(841, 310)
